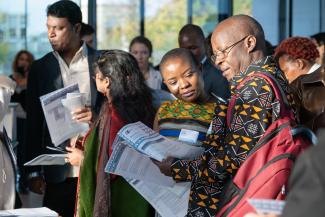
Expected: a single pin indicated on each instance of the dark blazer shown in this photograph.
(310, 94)
(45, 77)
(307, 184)
(214, 81)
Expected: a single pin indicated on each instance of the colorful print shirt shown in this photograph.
(227, 147)
(173, 116)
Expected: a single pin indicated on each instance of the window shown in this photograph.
(162, 24)
(117, 23)
(13, 27)
(205, 14)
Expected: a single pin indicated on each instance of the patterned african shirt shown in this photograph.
(227, 147)
(174, 116)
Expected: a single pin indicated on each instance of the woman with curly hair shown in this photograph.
(297, 59)
(297, 56)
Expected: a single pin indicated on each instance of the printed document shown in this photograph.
(133, 147)
(29, 212)
(267, 206)
(47, 159)
(58, 117)
(147, 141)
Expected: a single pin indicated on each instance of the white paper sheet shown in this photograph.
(58, 118)
(47, 159)
(167, 201)
(133, 147)
(29, 212)
(129, 163)
(149, 142)
(267, 206)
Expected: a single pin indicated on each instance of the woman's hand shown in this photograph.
(75, 156)
(165, 165)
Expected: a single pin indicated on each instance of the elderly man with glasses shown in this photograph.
(238, 51)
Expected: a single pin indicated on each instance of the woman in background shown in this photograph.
(20, 68)
(141, 49)
(119, 78)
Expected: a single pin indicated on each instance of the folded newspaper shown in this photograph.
(58, 117)
(267, 206)
(133, 148)
(47, 159)
(29, 212)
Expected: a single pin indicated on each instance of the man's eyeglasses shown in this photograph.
(224, 53)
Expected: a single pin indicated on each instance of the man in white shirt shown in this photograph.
(70, 62)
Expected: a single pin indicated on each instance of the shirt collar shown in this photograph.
(313, 68)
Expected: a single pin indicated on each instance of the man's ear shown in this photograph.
(77, 28)
(250, 43)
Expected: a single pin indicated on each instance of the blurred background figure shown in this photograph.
(20, 69)
(7, 161)
(141, 49)
(297, 59)
(269, 48)
(87, 34)
(191, 37)
(319, 40)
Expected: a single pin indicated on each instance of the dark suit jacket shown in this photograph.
(214, 81)
(45, 77)
(307, 184)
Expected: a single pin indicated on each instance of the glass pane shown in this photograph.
(118, 21)
(12, 25)
(13, 34)
(163, 20)
(205, 14)
(242, 7)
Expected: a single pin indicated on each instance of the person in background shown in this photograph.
(20, 68)
(141, 48)
(297, 58)
(191, 37)
(319, 40)
(69, 63)
(120, 80)
(7, 162)
(87, 34)
(193, 109)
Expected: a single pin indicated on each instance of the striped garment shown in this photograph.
(173, 116)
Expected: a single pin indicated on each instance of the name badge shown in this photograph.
(188, 136)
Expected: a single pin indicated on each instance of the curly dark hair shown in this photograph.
(297, 48)
(129, 94)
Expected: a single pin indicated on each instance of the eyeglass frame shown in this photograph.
(223, 52)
